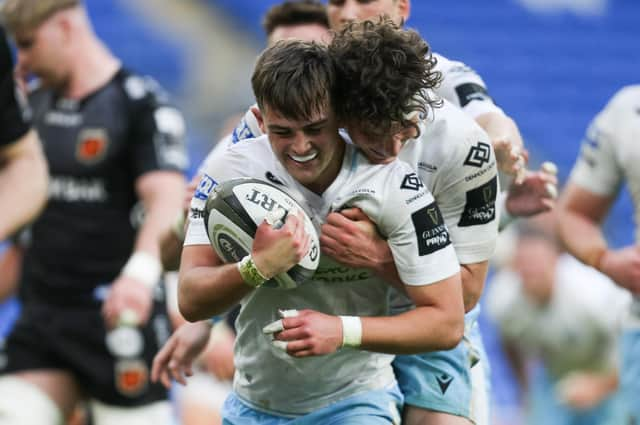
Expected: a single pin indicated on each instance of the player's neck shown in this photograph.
(94, 68)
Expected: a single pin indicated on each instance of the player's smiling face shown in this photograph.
(311, 150)
(341, 12)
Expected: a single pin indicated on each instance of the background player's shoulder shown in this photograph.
(626, 98)
(141, 88)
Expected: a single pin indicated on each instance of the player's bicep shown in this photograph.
(445, 293)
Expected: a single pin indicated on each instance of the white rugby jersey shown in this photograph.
(404, 211)
(610, 152)
(575, 331)
(463, 87)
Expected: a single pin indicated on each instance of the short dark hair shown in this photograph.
(295, 13)
(383, 74)
(294, 78)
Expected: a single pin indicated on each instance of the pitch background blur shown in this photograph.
(551, 64)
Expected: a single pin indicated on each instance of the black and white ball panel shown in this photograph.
(232, 214)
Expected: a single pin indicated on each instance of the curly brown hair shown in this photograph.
(383, 75)
(294, 78)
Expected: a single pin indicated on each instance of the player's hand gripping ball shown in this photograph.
(234, 210)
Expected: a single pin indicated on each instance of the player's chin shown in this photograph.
(304, 174)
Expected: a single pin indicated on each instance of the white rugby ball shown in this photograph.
(236, 207)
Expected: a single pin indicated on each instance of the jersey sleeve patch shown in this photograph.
(478, 155)
(430, 229)
(242, 132)
(471, 91)
(480, 206)
(411, 181)
(205, 187)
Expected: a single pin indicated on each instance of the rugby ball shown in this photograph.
(236, 207)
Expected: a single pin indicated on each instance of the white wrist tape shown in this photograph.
(143, 267)
(351, 331)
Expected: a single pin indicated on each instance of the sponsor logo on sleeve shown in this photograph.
(242, 132)
(478, 155)
(480, 207)
(205, 187)
(200, 197)
(430, 229)
(471, 91)
(412, 182)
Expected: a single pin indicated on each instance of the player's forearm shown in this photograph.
(500, 127)
(23, 184)
(420, 330)
(582, 237)
(473, 277)
(204, 292)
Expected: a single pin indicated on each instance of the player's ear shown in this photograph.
(256, 113)
(404, 10)
(64, 24)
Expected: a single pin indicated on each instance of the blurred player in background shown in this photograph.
(116, 152)
(551, 309)
(609, 157)
(23, 169)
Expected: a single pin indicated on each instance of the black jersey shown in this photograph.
(96, 148)
(12, 122)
